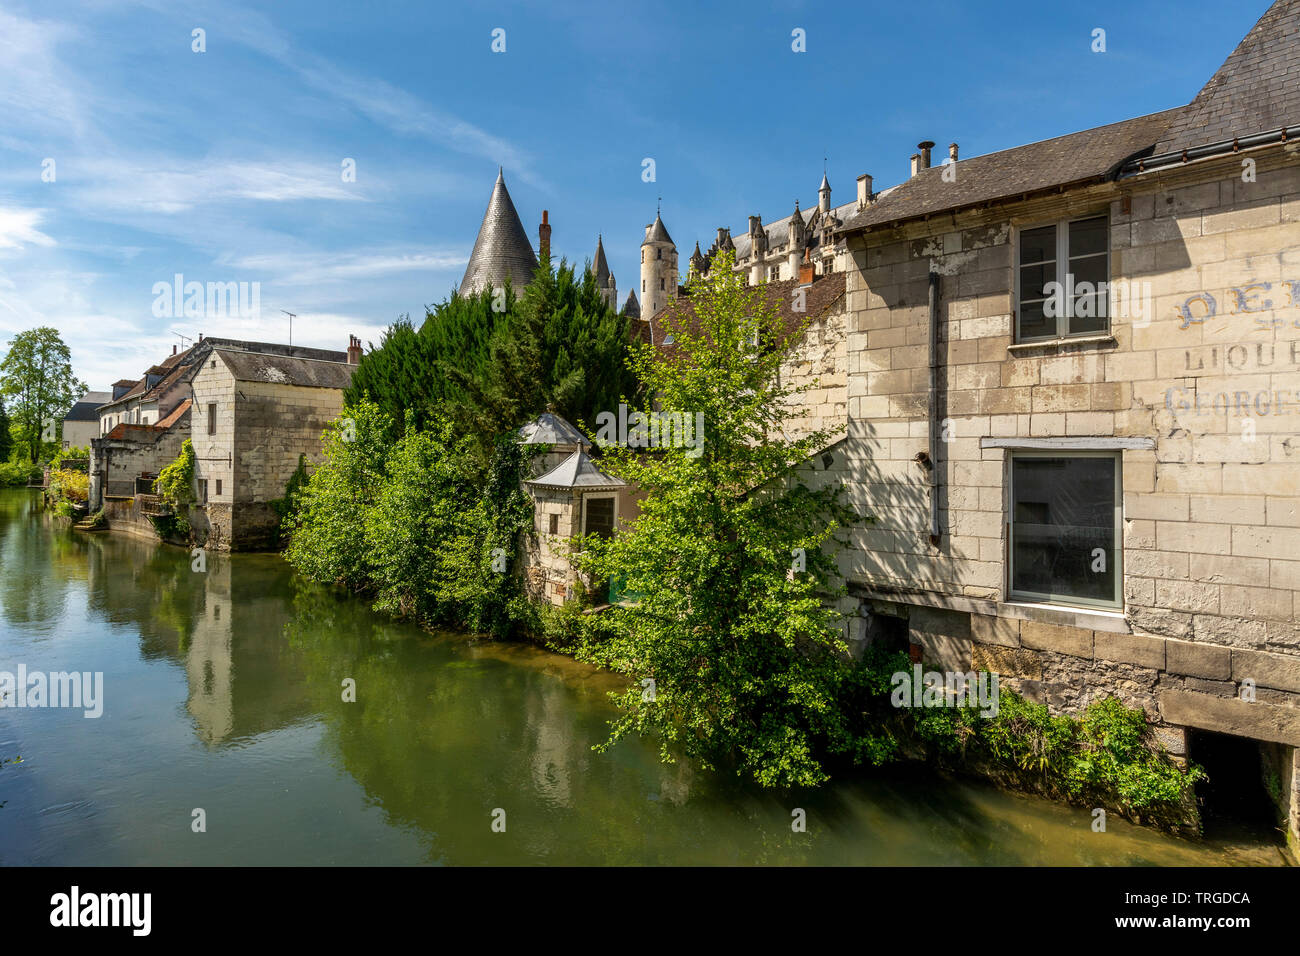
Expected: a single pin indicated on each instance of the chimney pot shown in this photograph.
(925, 146)
(173, 350)
(354, 350)
(952, 152)
(916, 164)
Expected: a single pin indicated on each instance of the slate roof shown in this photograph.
(632, 307)
(502, 248)
(1257, 89)
(576, 471)
(599, 266)
(285, 370)
(87, 407)
(172, 369)
(821, 297)
(1093, 155)
(551, 429)
(778, 231)
(657, 232)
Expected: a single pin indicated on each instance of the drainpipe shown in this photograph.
(934, 408)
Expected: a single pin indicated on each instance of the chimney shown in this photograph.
(544, 234)
(200, 336)
(952, 152)
(173, 350)
(925, 148)
(354, 343)
(864, 190)
(806, 269)
(754, 223)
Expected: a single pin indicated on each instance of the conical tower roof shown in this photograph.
(599, 266)
(657, 232)
(502, 248)
(632, 307)
(825, 184)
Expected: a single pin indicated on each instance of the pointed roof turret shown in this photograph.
(632, 308)
(656, 232)
(697, 259)
(599, 266)
(825, 184)
(576, 471)
(502, 248)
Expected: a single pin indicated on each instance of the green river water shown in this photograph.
(222, 691)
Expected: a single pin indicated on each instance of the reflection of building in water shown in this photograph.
(209, 661)
(549, 715)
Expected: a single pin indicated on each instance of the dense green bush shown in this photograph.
(18, 474)
(415, 523)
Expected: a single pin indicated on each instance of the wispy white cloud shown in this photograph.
(18, 228)
(319, 267)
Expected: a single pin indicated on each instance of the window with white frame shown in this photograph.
(1062, 278)
(1063, 528)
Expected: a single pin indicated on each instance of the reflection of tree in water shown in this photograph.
(445, 729)
(31, 593)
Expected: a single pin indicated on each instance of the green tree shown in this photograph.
(327, 533)
(562, 346)
(37, 374)
(6, 438)
(406, 371)
(733, 621)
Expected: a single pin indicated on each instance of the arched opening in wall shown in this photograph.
(1234, 800)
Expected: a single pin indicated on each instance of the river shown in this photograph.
(223, 703)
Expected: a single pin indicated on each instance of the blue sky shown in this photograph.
(226, 165)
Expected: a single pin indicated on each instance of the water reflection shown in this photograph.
(227, 693)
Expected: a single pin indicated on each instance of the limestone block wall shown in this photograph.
(820, 360)
(1208, 375)
(547, 573)
(274, 424)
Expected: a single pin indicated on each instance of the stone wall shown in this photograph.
(820, 360)
(1208, 377)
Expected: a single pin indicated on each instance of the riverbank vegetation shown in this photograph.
(730, 634)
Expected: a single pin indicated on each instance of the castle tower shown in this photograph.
(658, 268)
(797, 240)
(502, 248)
(604, 278)
(824, 196)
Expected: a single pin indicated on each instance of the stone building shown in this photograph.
(571, 497)
(81, 424)
(1073, 396)
(256, 410)
(250, 408)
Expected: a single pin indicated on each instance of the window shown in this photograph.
(218, 487)
(203, 490)
(661, 284)
(212, 418)
(643, 286)
(555, 524)
(1062, 278)
(1064, 528)
(659, 253)
(643, 255)
(598, 516)
(773, 273)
